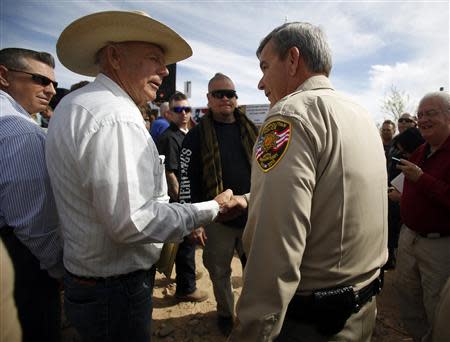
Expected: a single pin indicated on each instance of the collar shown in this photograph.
(113, 87)
(445, 145)
(15, 105)
(316, 82)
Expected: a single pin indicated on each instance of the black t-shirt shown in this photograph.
(169, 144)
(235, 166)
(236, 169)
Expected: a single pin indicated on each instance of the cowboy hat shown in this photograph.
(79, 43)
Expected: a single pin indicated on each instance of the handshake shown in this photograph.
(230, 206)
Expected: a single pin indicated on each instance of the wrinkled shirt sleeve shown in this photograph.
(125, 179)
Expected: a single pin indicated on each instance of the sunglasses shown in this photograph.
(39, 79)
(178, 110)
(405, 120)
(219, 94)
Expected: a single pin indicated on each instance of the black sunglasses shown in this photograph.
(178, 110)
(405, 120)
(219, 94)
(39, 79)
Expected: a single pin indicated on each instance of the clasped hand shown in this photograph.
(231, 206)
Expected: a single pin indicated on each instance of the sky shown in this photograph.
(376, 45)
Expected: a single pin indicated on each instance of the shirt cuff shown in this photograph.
(207, 211)
(56, 271)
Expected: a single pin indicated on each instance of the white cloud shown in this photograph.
(377, 43)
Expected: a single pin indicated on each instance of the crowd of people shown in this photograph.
(317, 203)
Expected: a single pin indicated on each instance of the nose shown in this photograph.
(164, 71)
(261, 84)
(50, 89)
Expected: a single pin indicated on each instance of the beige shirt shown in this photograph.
(318, 207)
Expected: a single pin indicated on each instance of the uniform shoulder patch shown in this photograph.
(272, 143)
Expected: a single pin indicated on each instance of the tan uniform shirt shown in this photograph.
(318, 207)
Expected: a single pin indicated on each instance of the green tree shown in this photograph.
(395, 103)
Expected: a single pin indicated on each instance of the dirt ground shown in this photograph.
(196, 322)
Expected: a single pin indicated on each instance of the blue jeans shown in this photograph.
(110, 309)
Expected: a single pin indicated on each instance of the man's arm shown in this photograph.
(275, 238)
(437, 190)
(125, 178)
(173, 187)
(26, 199)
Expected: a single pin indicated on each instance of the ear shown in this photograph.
(113, 55)
(293, 60)
(4, 83)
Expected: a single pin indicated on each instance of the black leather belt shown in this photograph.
(433, 235)
(97, 280)
(329, 309)
(361, 296)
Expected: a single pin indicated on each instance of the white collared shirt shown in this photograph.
(109, 184)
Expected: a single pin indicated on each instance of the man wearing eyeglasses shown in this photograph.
(406, 121)
(28, 216)
(423, 260)
(216, 155)
(169, 144)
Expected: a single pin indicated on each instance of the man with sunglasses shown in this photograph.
(216, 155)
(169, 145)
(28, 216)
(406, 121)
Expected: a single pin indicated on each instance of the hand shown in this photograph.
(199, 235)
(411, 171)
(235, 207)
(394, 195)
(223, 198)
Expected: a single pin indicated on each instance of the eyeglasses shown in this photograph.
(39, 79)
(178, 110)
(405, 120)
(428, 114)
(219, 94)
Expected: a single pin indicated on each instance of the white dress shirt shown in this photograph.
(109, 184)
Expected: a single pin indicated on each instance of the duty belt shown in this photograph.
(329, 309)
(433, 235)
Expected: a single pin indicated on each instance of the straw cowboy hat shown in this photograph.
(81, 40)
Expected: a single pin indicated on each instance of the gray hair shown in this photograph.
(15, 58)
(442, 96)
(163, 109)
(309, 39)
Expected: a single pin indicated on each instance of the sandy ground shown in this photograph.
(192, 322)
(196, 322)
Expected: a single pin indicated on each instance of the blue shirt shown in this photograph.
(26, 199)
(158, 127)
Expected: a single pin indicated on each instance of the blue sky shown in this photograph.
(375, 44)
